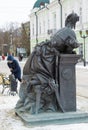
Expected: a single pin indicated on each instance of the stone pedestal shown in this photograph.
(67, 81)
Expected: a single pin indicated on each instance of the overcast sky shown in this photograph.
(15, 11)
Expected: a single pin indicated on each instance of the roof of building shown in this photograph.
(38, 3)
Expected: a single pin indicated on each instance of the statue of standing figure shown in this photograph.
(40, 90)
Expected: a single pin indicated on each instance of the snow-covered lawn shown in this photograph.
(9, 121)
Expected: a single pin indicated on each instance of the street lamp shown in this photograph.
(11, 38)
(11, 42)
(84, 37)
(59, 1)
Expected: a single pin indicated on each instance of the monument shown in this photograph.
(49, 82)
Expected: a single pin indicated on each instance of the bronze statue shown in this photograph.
(40, 90)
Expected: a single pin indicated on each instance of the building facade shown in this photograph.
(47, 16)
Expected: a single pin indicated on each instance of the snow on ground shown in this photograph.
(9, 121)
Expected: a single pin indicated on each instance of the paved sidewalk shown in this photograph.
(82, 79)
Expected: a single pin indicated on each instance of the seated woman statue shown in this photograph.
(37, 92)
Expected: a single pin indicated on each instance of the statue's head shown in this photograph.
(71, 20)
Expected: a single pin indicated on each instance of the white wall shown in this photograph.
(46, 18)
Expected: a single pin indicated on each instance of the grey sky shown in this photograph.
(15, 11)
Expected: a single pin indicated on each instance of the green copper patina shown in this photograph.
(38, 3)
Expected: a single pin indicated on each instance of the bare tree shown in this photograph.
(25, 38)
(7, 34)
(13, 37)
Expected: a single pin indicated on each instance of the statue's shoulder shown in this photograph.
(65, 32)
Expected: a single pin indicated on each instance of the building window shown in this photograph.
(87, 12)
(48, 24)
(80, 11)
(33, 29)
(39, 28)
(54, 20)
(44, 26)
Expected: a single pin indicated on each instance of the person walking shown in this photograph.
(20, 57)
(3, 57)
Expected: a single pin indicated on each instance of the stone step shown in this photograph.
(54, 118)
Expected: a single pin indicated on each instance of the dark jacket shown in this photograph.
(16, 70)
